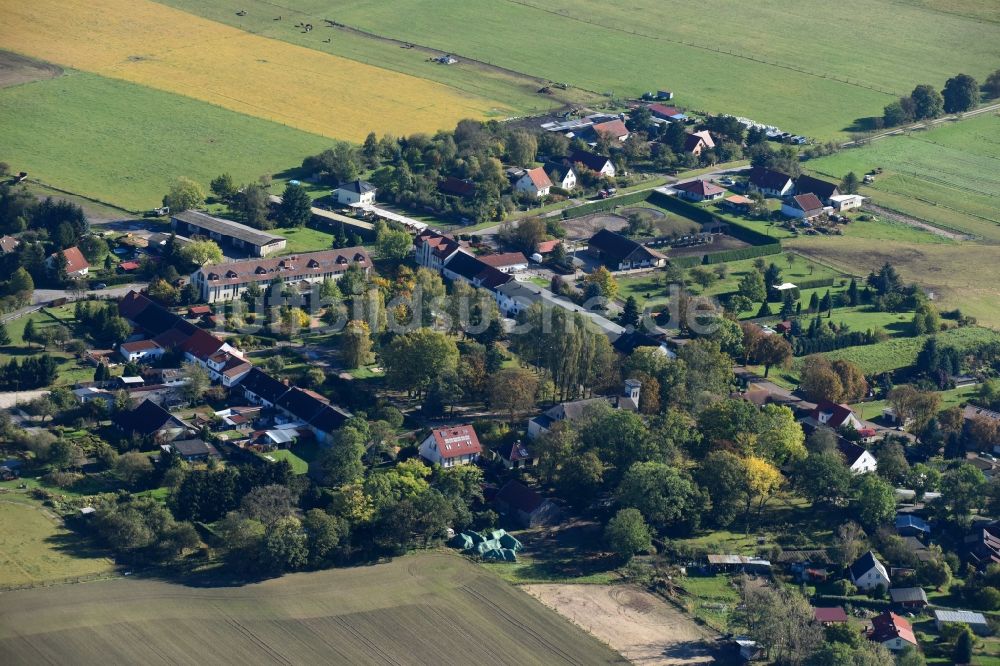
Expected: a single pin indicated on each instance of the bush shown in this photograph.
(844, 588)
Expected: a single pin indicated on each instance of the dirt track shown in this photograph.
(642, 627)
(16, 69)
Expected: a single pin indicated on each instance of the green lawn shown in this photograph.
(902, 352)
(647, 292)
(949, 398)
(35, 547)
(948, 176)
(70, 370)
(304, 239)
(892, 232)
(300, 455)
(717, 56)
(123, 143)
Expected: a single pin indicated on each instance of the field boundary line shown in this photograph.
(703, 47)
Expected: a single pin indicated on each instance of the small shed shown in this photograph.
(827, 616)
(908, 597)
(975, 621)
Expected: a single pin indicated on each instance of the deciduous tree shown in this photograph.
(627, 533)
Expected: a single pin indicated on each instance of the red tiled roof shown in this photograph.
(74, 259)
(539, 178)
(504, 259)
(664, 111)
(129, 265)
(442, 246)
(132, 304)
(201, 344)
(547, 246)
(457, 441)
(888, 626)
(139, 345)
(198, 310)
(700, 187)
(235, 367)
(739, 200)
(808, 202)
(612, 129)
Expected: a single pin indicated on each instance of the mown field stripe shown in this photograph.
(168, 49)
(124, 143)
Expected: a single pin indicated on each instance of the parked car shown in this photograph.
(100, 285)
(727, 181)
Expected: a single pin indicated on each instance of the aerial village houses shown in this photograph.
(845, 202)
(355, 192)
(831, 615)
(667, 113)
(619, 253)
(699, 190)
(576, 409)
(803, 207)
(835, 416)
(258, 243)
(8, 244)
(770, 183)
(513, 297)
(467, 268)
(226, 282)
(433, 250)
(151, 420)
(534, 182)
(561, 175)
(823, 190)
(506, 262)
(76, 263)
(143, 351)
(611, 130)
(867, 573)
(526, 506)
(455, 445)
(698, 142)
(908, 597)
(892, 631)
(602, 165)
(975, 621)
(858, 459)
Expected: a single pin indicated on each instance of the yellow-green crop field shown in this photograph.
(163, 48)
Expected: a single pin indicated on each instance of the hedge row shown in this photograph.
(742, 253)
(815, 284)
(686, 262)
(604, 205)
(705, 216)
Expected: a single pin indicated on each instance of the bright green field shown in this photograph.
(125, 143)
(35, 547)
(948, 176)
(719, 56)
(902, 352)
(304, 239)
